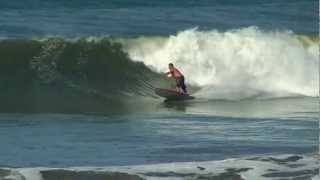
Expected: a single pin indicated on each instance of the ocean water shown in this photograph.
(34, 18)
(77, 83)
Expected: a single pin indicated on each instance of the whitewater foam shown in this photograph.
(235, 64)
(251, 168)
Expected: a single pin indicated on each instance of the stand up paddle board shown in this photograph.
(172, 94)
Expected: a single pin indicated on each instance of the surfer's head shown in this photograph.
(171, 66)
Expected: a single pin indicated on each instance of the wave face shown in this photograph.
(59, 75)
(236, 64)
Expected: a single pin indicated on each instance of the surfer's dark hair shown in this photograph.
(170, 64)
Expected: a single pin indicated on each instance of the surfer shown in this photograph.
(178, 76)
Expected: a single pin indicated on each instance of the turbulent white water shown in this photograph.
(235, 64)
(258, 168)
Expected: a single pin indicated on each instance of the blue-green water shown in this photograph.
(34, 18)
(91, 140)
(247, 134)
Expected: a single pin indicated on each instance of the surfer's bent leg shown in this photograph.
(178, 85)
(182, 85)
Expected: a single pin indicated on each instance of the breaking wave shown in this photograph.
(236, 64)
(98, 73)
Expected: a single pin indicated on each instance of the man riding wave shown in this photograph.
(179, 78)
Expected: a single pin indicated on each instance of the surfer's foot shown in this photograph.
(184, 91)
(179, 90)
